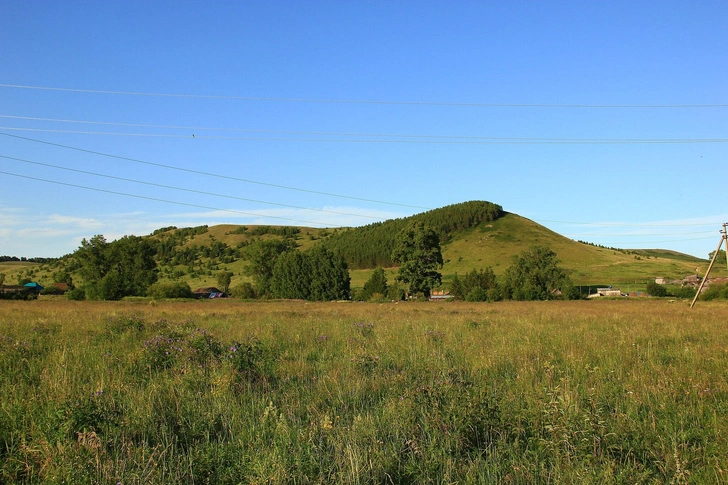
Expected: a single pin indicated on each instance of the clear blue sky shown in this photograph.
(604, 121)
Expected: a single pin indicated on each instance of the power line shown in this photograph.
(214, 175)
(152, 184)
(656, 242)
(408, 138)
(620, 224)
(641, 235)
(482, 141)
(186, 204)
(370, 102)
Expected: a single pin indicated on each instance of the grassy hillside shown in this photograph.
(474, 235)
(494, 244)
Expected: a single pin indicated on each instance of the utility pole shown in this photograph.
(723, 237)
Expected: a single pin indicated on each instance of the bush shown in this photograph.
(683, 292)
(76, 294)
(244, 291)
(716, 292)
(655, 289)
(477, 294)
(169, 289)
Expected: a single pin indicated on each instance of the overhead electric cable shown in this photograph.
(152, 184)
(640, 235)
(482, 141)
(408, 138)
(364, 101)
(96, 189)
(214, 175)
(654, 242)
(621, 224)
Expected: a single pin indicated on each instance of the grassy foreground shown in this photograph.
(293, 392)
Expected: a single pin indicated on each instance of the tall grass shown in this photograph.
(230, 392)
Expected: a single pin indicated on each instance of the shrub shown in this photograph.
(244, 291)
(682, 292)
(477, 294)
(655, 289)
(170, 289)
(716, 292)
(76, 294)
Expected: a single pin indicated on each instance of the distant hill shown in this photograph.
(473, 235)
(372, 245)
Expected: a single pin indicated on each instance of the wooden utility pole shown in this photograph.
(723, 237)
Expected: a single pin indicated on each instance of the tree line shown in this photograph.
(374, 244)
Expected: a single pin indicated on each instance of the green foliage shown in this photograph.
(419, 255)
(535, 275)
(330, 278)
(262, 257)
(715, 292)
(244, 291)
(375, 285)
(317, 274)
(76, 294)
(2, 279)
(285, 231)
(63, 276)
(125, 267)
(223, 279)
(682, 292)
(476, 286)
(720, 259)
(169, 289)
(656, 289)
(374, 244)
(292, 276)
(478, 293)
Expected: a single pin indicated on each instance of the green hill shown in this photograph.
(473, 235)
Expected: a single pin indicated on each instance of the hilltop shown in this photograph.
(473, 235)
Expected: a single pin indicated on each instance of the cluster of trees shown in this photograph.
(476, 286)
(533, 275)
(4, 259)
(278, 271)
(374, 244)
(111, 271)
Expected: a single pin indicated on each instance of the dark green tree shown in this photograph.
(535, 275)
(292, 276)
(484, 282)
(262, 257)
(656, 289)
(223, 279)
(63, 276)
(329, 275)
(317, 274)
(418, 253)
(111, 271)
(169, 289)
(456, 288)
(375, 285)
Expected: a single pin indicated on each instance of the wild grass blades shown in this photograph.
(230, 392)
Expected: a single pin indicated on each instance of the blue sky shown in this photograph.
(604, 121)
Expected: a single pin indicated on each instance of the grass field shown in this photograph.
(293, 392)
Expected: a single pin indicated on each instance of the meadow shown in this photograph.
(628, 391)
